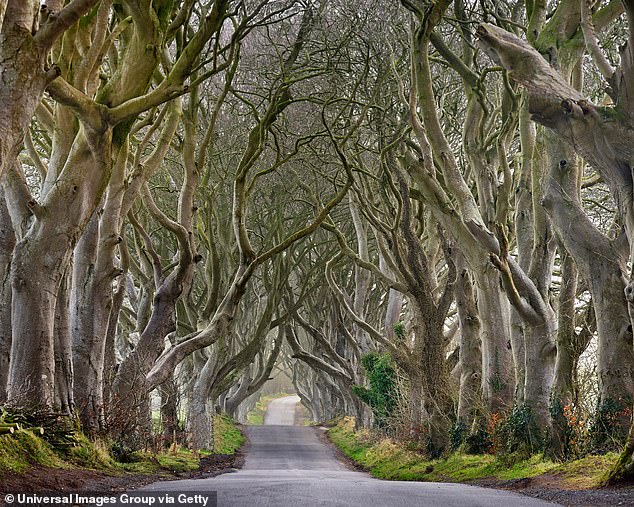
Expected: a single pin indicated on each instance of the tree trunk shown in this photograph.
(567, 357)
(200, 419)
(7, 243)
(169, 411)
(36, 275)
(602, 264)
(23, 82)
(130, 391)
(428, 369)
(540, 325)
(540, 365)
(362, 276)
(497, 366)
(87, 325)
(109, 364)
(40, 260)
(238, 395)
(92, 298)
(470, 393)
(64, 373)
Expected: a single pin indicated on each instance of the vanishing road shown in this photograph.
(290, 466)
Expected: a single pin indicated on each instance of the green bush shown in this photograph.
(457, 435)
(568, 434)
(380, 396)
(610, 424)
(479, 441)
(519, 434)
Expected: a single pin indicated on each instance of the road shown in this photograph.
(281, 411)
(289, 466)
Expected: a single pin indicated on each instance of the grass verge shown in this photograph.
(387, 459)
(23, 449)
(227, 435)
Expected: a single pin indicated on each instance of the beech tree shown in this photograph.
(594, 133)
(29, 33)
(195, 195)
(83, 157)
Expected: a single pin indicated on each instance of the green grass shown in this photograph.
(174, 460)
(256, 416)
(89, 454)
(387, 459)
(23, 449)
(227, 436)
(587, 472)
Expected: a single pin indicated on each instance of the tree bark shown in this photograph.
(497, 365)
(92, 298)
(169, 411)
(362, 276)
(602, 263)
(7, 243)
(86, 328)
(23, 82)
(200, 423)
(64, 372)
(470, 361)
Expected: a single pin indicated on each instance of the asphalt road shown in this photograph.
(289, 466)
(281, 411)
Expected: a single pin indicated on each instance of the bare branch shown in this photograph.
(57, 23)
(87, 110)
(592, 43)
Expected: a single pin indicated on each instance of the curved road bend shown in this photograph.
(289, 466)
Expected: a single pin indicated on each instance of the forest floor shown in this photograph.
(42, 479)
(575, 483)
(553, 488)
(29, 465)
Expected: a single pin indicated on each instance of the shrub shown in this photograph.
(479, 441)
(519, 434)
(380, 396)
(610, 424)
(569, 434)
(457, 435)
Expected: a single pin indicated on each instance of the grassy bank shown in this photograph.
(24, 449)
(387, 459)
(256, 416)
(227, 436)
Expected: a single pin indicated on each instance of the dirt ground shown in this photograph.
(550, 487)
(41, 479)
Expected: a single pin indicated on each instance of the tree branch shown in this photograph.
(57, 23)
(313, 361)
(86, 109)
(592, 43)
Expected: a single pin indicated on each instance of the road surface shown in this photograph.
(281, 411)
(289, 466)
